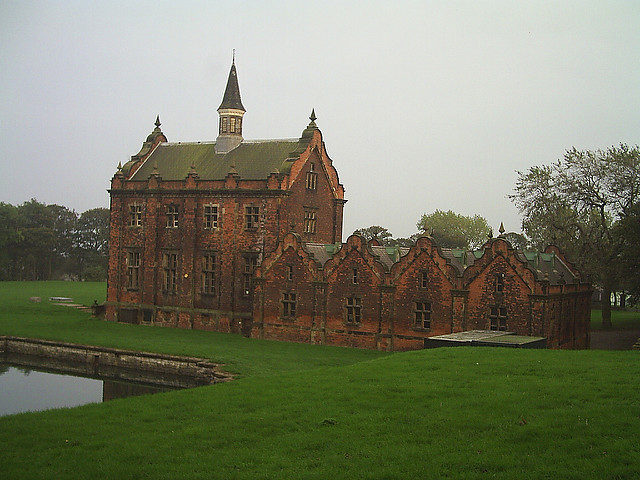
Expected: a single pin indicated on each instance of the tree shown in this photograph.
(579, 203)
(374, 232)
(517, 240)
(453, 230)
(91, 243)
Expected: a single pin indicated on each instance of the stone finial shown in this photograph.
(490, 234)
(119, 166)
(157, 124)
(313, 117)
(501, 229)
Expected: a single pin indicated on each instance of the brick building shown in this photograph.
(370, 296)
(245, 236)
(191, 221)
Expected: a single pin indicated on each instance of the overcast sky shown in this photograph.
(422, 105)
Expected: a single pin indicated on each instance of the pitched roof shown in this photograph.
(252, 160)
(231, 97)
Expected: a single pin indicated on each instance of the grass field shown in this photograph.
(621, 319)
(320, 412)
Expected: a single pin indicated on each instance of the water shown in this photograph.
(25, 389)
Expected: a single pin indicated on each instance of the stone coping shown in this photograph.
(192, 369)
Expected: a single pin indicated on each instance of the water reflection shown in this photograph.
(25, 389)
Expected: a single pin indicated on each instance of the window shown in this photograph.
(424, 280)
(309, 221)
(211, 216)
(172, 216)
(170, 271)
(500, 282)
(423, 315)
(135, 215)
(250, 264)
(288, 304)
(232, 128)
(251, 217)
(223, 124)
(312, 178)
(354, 309)
(209, 273)
(238, 125)
(133, 269)
(289, 272)
(498, 318)
(354, 278)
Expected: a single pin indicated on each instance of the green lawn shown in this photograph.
(333, 413)
(621, 319)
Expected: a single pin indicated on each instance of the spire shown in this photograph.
(308, 132)
(231, 97)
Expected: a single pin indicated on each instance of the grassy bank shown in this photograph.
(19, 316)
(302, 411)
(445, 413)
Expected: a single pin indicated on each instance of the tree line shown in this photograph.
(51, 242)
(587, 203)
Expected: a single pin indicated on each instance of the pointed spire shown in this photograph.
(231, 97)
(313, 115)
(501, 229)
(157, 124)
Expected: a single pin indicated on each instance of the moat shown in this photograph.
(25, 389)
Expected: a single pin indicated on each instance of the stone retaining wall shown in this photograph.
(113, 363)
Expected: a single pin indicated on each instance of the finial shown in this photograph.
(157, 124)
(193, 168)
(233, 60)
(313, 115)
(119, 166)
(490, 234)
(501, 229)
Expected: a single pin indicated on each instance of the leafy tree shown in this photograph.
(374, 232)
(91, 243)
(453, 230)
(578, 203)
(517, 240)
(9, 240)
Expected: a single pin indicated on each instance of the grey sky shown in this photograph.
(422, 105)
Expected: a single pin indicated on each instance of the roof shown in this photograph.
(486, 337)
(252, 160)
(231, 97)
(545, 266)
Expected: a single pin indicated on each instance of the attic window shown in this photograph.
(135, 215)
(289, 272)
(211, 216)
(312, 178)
(424, 280)
(172, 216)
(355, 275)
(500, 282)
(251, 217)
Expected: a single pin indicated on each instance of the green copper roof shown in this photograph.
(252, 160)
